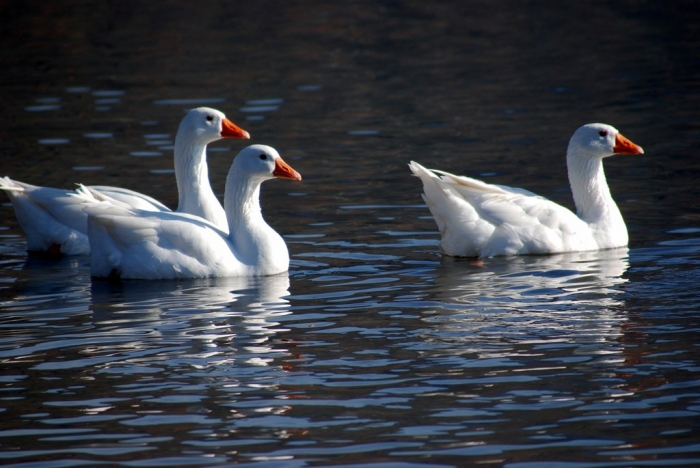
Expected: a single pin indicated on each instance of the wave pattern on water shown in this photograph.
(377, 357)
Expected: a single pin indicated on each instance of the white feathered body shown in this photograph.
(54, 221)
(137, 244)
(131, 243)
(51, 219)
(477, 219)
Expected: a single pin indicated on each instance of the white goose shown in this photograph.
(477, 219)
(54, 221)
(140, 244)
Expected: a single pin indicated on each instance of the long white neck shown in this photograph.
(195, 195)
(594, 204)
(242, 202)
(254, 240)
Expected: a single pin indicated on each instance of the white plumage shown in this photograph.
(55, 222)
(139, 244)
(477, 219)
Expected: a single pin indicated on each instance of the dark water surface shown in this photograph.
(373, 349)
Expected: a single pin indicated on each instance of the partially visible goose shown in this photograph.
(54, 221)
(477, 219)
(131, 243)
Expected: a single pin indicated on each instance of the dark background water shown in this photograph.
(373, 349)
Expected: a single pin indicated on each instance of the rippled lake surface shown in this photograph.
(373, 349)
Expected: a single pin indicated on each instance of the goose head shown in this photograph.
(207, 125)
(598, 141)
(262, 162)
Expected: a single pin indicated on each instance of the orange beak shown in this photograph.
(285, 171)
(231, 130)
(624, 146)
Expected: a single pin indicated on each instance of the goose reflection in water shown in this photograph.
(547, 282)
(539, 318)
(515, 306)
(198, 324)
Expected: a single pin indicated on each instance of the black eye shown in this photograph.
(603, 133)
(263, 156)
(209, 118)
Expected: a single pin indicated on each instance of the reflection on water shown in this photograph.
(391, 357)
(587, 279)
(152, 344)
(568, 298)
(208, 318)
(133, 320)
